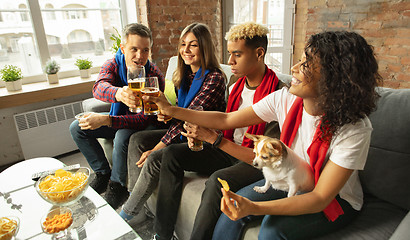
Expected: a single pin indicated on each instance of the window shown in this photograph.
(49, 15)
(278, 16)
(64, 30)
(23, 14)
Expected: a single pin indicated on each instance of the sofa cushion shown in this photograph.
(193, 187)
(95, 105)
(386, 174)
(377, 220)
(402, 232)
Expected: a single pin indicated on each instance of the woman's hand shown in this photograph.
(162, 103)
(201, 133)
(93, 121)
(235, 206)
(143, 158)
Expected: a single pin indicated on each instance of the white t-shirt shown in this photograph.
(245, 101)
(348, 148)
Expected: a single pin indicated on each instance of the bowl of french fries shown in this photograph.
(57, 222)
(63, 187)
(9, 227)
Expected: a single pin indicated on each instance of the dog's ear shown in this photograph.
(253, 137)
(275, 147)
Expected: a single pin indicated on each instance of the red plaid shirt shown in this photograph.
(211, 97)
(107, 85)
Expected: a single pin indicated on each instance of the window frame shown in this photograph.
(288, 33)
(127, 9)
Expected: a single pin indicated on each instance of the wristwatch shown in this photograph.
(218, 140)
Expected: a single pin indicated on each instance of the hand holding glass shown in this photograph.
(136, 81)
(198, 144)
(151, 88)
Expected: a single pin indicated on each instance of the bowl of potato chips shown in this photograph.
(63, 187)
(9, 226)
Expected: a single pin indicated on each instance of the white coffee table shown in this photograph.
(93, 217)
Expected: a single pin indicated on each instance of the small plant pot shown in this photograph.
(13, 86)
(85, 73)
(52, 78)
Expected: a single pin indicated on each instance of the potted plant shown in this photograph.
(84, 64)
(51, 68)
(116, 38)
(12, 76)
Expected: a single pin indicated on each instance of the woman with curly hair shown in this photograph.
(323, 118)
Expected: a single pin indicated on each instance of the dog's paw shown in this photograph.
(260, 189)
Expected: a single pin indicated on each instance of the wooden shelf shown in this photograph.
(42, 91)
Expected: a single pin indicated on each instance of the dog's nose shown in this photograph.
(255, 164)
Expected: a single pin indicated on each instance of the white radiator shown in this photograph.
(45, 132)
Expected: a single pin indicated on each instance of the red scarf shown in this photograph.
(268, 85)
(316, 151)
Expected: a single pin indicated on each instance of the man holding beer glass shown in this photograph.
(112, 86)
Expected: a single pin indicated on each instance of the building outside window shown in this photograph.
(64, 30)
(278, 16)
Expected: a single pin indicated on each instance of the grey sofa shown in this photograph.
(385, 179)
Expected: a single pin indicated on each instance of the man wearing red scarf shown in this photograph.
(247, 44)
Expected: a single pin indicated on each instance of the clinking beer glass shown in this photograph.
(151, 88)
(136, 81)
(198, 144)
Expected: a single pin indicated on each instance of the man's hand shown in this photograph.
(93, 121)
(201, 133)
(126, 96)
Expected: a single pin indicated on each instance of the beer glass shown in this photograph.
(198, 144)
(136, 81)
(151, 88)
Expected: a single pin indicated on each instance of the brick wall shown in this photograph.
(384, 23)
(167, 19)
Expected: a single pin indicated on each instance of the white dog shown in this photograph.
(282, 168)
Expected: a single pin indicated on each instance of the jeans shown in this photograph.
(237, 176)
(143, 181)
(176, 159)
(141, 142)
(86, 141)
(304, 226)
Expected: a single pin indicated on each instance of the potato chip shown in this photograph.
(225, 184)
(57, 187)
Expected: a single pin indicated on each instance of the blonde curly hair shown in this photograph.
(254, 35)
(246, 31)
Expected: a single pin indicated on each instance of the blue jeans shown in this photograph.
(86, 141)
(305, 226)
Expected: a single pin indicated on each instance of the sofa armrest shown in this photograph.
(402, 232)
(95, 105)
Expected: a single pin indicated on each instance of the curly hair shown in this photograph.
(255, 35)
(349, 75)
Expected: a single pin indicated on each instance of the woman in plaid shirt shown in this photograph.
(199, 81)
